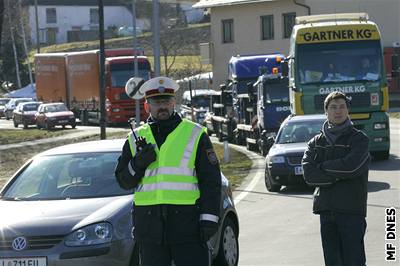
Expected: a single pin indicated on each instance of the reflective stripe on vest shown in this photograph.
(164, 183)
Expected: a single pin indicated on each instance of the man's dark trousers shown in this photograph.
(343, 238)
(193, 254)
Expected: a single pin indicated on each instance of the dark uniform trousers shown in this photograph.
(186, 254)
(345, 232)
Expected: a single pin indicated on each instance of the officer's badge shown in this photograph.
(161, 89)
(212, 156)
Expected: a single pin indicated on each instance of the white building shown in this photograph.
(58, 17)
(264, 26)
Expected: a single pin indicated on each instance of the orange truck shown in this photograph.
(74, 78)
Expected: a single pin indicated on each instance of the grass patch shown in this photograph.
(395, 115)
(12, 159)
(235, 170)
(8, 136)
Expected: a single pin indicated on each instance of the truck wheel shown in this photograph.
(381, 155)
(228, 252)
(271, 187)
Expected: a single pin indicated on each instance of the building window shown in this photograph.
(94, 16)
(227, 30)
(289, 20)
(267, 27)
(51, 15)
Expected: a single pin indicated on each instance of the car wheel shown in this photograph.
(135, 258)
(47, 126)
(271, 187)
(25, 125)
(73, 125)
(15, 124)
(228, 253)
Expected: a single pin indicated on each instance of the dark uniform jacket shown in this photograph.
(339, 171)
(168, 224)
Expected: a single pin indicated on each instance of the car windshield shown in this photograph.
(54, 177)
(30, 107)
(56, 108)
(301, 131)
(339, 62)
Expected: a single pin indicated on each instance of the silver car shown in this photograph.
(65, 207)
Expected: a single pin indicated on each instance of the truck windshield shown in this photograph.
(276, 92)
(201, 101)
(121, 73)
(339, 62)
(241, 85)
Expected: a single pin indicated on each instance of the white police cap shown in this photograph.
(159, 86)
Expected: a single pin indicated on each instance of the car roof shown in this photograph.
(111, 145)
(299, 118)
(26, 103)
(47, 104)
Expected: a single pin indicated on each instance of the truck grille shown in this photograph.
(34, 242)
(361, 99)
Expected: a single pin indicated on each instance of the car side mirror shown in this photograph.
(270, 141)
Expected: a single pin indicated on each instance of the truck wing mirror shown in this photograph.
(285, 68)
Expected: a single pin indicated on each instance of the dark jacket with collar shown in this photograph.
(173, 223)
(339, 172)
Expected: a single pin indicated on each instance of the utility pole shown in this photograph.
(135, 60)
(13, 45)
(37, 28)
(24, 41)
(102, 78)
(156, 35)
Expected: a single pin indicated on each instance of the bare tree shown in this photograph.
(1, 21)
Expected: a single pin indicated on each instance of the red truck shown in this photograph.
(74, 78)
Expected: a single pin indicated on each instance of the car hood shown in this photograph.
(288, 148)
(29, 113)
(59, 217)
(56, 114)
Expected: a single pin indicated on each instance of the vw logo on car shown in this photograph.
(19, 243)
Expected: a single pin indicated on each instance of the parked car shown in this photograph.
(25, 114)
(12, 104)
(65, 207)
(3, 102)
(50, 115)
(283, 161)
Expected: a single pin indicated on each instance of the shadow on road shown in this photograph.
(374, 186)
(389, 165)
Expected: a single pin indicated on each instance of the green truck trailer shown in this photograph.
(341, 52)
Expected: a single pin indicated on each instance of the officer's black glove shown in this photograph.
(207, 230)
(145, 157)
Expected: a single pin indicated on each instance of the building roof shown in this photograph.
(215, 3)
(75, 2)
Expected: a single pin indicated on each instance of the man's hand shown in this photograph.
(207, 230)
(145, 157)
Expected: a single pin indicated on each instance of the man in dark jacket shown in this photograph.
(174, 216)
(336, 162)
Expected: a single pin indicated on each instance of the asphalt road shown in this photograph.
(279, 228)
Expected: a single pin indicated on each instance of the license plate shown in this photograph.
(298, 170)
(63, 121)
(40, 261)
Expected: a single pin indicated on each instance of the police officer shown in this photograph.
(175, 172)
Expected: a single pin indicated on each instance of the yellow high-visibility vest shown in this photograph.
(171, 179)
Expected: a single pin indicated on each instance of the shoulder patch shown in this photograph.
(212, 156)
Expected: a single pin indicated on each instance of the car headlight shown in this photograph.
(277, 159)
(378, 126)
(94, 234)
